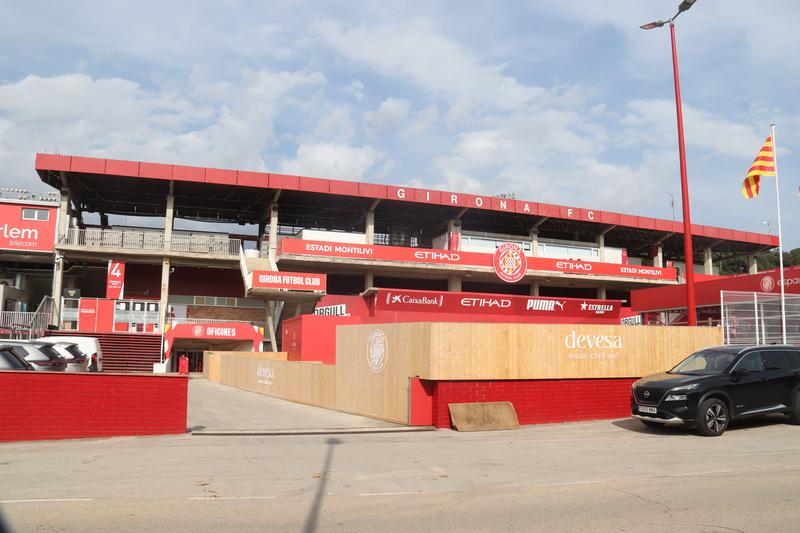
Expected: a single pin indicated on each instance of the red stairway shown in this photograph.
(124, 352)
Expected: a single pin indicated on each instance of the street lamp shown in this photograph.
(687, 222)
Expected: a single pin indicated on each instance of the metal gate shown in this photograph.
(755, 318)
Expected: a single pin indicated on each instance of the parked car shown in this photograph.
(11, 360)
(711, 387)
(77, 361)
(42, 355)
(88, 345)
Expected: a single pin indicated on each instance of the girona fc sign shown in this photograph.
(509, 262)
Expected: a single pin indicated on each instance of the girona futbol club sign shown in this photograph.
(509, 262)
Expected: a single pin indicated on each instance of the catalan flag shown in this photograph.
(763, 165)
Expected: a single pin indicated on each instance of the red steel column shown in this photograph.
(687, 222)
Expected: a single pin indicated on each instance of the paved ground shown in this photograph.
(218, 407)
(595, 476)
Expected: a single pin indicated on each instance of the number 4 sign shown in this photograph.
(115, 280)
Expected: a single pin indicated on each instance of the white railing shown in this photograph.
(175, 321)
(152, 240)
(25, 324)
(755, 318)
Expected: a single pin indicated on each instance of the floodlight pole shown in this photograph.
(687, 222)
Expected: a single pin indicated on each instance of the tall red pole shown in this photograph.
(687, 221)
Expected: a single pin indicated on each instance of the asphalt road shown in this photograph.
(596, 476)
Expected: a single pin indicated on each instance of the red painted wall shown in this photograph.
(539, 401)
(58, 405)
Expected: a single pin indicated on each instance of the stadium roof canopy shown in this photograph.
(136, 188)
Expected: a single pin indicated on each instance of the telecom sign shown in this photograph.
(30, 228)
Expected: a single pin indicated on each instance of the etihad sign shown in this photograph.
(568, 265)
(486, 303)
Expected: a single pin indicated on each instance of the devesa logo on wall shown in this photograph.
(486, 303)
(573, 341)
(377, 351)
(767, 283)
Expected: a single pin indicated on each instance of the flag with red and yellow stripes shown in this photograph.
(763, 165)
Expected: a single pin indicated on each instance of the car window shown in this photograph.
(775, 360)
(794, 358)
(705, 362)
(751, 362)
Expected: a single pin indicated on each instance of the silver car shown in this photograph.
(88, 345)
(42, 355)
(77, 361)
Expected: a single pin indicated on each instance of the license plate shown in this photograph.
(650, 410)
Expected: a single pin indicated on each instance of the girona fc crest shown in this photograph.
(509, 262)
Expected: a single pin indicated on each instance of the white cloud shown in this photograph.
(329, 160)
(119, 118)
(416, 51)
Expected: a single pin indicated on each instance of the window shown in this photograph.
(751, 362)
(794, 358)
(28, 213)
(775, 360)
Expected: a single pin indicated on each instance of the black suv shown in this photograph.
(715, 385)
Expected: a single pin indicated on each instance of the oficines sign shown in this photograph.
(492, 304)
(35, 233)
(296, 281)
(447, 257)
(115, 280)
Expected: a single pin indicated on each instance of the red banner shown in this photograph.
(115, 280)
(27, 227)
(446, 257)
(296, 281)
(492, 304)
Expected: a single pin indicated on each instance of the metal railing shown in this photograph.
(28, 324)
(152, 240)
(176, 321)
(755, 318)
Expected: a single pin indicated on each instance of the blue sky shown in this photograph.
(566, 102)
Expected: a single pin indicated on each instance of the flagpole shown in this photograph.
(780, 236)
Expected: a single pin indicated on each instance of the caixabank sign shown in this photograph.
(27, 227)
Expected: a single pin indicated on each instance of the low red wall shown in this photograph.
(539, 401)
(58, 405)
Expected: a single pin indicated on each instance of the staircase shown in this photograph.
(124, 352)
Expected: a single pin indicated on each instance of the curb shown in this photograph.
(323, 431)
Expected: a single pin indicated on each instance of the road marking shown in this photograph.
(49, 500)
(390, 493)
(233, 498)
(688, 474)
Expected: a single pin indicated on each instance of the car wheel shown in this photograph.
(794, 412)
(712, 418)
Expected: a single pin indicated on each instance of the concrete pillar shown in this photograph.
(454, 283)
(165, 268)
(369, 279)
(169, 217)
(658, 260)
(752, 264)
(708, 263)
(58, 288)
(534, 235)
(370, 227)
(273, 231)
(601, 292)
(63, 215)
(534, 288)
(601, 242)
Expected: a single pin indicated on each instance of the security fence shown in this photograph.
(755, 318)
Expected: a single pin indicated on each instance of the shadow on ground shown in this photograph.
(635, 426)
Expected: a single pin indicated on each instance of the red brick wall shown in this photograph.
(58, 405)
(539, 401)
